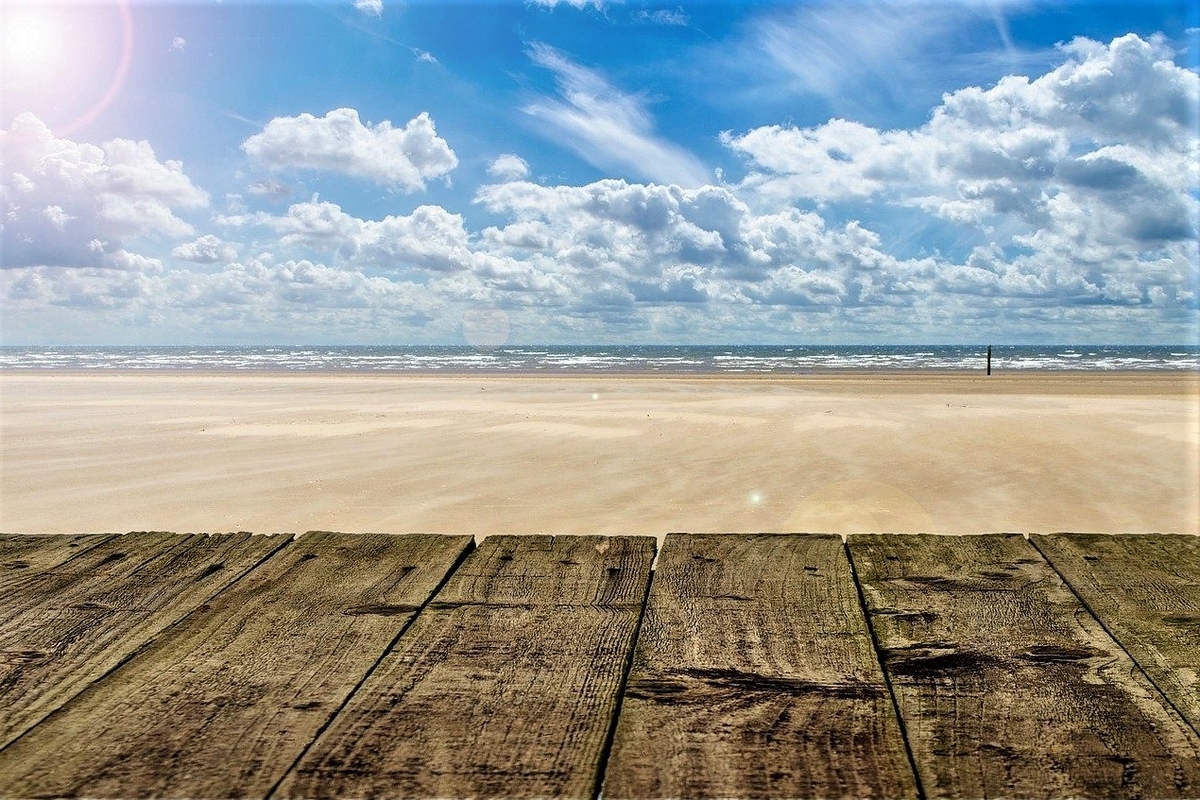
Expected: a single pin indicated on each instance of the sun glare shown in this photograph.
(34, 40)
(64, 63)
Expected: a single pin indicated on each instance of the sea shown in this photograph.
(587, 359)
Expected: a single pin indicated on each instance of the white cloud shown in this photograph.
(178, 44)
(58, 218)
(273, 190)
(208, 249)
(509, 167)
(294, 300)
(1091, 167)
(607, 127)
(610, 261)
(372, 8)
(400, 158)
(134, 262)
(85, 288)
(579, 4)
(60, 196)
(835, 161)
(430, 239)
(319, 226)
(1040, 204)
(262, 288)
(663, 243)
(661, 16)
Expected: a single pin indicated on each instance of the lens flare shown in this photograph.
(54, 58)
(30, 39)
(119, 75)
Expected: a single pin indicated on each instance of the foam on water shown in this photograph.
(792, 359)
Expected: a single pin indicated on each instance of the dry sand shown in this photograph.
(485, 455)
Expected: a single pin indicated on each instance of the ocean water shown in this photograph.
(650, 359)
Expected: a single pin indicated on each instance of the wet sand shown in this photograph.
(845, 453)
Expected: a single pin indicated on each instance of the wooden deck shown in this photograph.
(332, 665)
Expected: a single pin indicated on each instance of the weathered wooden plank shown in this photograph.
(64, 627)
(225, 704)
(506, 684)
(755, 676)
(1146, 591)
(1006, 685)
(25, 554)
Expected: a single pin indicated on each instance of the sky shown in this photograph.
(599, 172)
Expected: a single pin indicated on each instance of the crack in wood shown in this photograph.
(1060, 653)
(699, 685)
(382, 609)
(934, 661)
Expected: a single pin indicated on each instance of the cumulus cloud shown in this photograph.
(74, 204)
(87, 288)
(607, 127)
(291, 299)
(429, 239)
(509, 167)
(652, 243)
(1124, 102)
(134, 262)
(1062, 199)
(178, 44)
(208, 249)
(634, 255)
(1090, 168)
(267, 288)
(400, 158)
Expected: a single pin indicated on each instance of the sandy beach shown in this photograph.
(901, 452)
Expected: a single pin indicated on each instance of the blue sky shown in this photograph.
(597, 172)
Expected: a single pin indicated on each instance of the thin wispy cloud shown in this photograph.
(233, 115)
(578, 4)
(869, 58)
(609, 128)
(661, 16)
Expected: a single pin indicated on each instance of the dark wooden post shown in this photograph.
(989, 360)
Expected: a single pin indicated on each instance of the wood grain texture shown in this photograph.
(225, 704)
(66, 626)
(1007, 686)
(1146, 591)
(505, 685)
(754, 676)
(26, 554)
